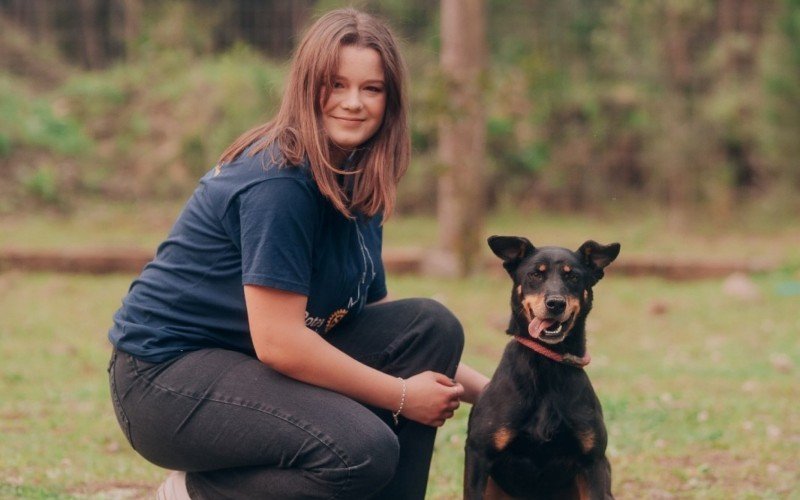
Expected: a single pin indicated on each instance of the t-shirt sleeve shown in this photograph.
(377, 290)
(277, 220)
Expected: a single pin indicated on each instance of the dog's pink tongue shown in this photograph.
(538, 325)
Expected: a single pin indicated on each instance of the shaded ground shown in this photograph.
(398, 261)
(114, 491)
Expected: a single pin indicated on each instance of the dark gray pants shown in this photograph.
(242, 430)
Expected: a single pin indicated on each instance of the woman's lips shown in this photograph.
(349, 120)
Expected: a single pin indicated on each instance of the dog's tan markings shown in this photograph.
(493, 492)
(531, 304)
(586, 295)
(502, 437)
(587, 440)
(542, 268)
(572, 311)
(573, 306)
(526, 308)
(583, 487)
(567, 269)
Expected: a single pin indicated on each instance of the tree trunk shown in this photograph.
(462, 137)
(131, 25)
(90, 34)
(41, 21)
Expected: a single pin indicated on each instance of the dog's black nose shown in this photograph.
(555, 304)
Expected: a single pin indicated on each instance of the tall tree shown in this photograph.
(91, 37)
(131, 11)
(462, 135)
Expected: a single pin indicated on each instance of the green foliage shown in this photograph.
(163, 121)
(42, 184)
(790, 25)
(5, 145)
(37, 140)
(781, 118)
(33, 123)
(586, 101)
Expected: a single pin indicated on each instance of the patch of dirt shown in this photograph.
(114, 491)
(398, 261)
(720, 471)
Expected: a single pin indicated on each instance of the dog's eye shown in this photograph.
(571, 277)
(535, 276)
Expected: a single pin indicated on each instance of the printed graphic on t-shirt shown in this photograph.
(335, 318)
(358, 297)
(313, 322)
(316, 323)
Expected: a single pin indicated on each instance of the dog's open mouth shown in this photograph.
(548, 329)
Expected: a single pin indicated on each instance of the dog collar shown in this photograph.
(567, 359)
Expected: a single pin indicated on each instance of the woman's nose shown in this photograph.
(352, 101)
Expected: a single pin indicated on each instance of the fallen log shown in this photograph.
(396, 261)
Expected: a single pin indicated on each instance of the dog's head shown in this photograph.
(552, 285)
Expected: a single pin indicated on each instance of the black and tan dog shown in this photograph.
(537, 431)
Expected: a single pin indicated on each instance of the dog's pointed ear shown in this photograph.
(512, 249)
(598, 256)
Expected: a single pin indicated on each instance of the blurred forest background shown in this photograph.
(681, 104)
(671, 126)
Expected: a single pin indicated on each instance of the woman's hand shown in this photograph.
(431, 398)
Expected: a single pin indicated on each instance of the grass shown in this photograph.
(699, 388)
(700, 400)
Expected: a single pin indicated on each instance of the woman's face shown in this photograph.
(353, 111)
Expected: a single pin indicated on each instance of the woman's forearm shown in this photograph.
(307, 357)
(473, 381)
(282, 341)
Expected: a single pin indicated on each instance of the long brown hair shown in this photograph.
(297, 128)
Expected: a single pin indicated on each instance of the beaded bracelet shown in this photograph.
(396, 414)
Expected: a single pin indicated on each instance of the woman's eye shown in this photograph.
(374, 90)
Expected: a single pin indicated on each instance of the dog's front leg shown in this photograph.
(476, 474)
(494, 492)
(595, 482)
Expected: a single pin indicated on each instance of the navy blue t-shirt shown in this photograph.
(249, 223)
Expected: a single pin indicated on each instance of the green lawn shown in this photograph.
(700, 388)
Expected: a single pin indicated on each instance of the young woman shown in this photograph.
(258, 352)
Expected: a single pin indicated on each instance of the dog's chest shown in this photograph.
(547, 431)
(542, 422)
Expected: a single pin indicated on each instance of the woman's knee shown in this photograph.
(443, 335)
(356, 468)
(443, 323)
(371, 461)
(354, 463)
